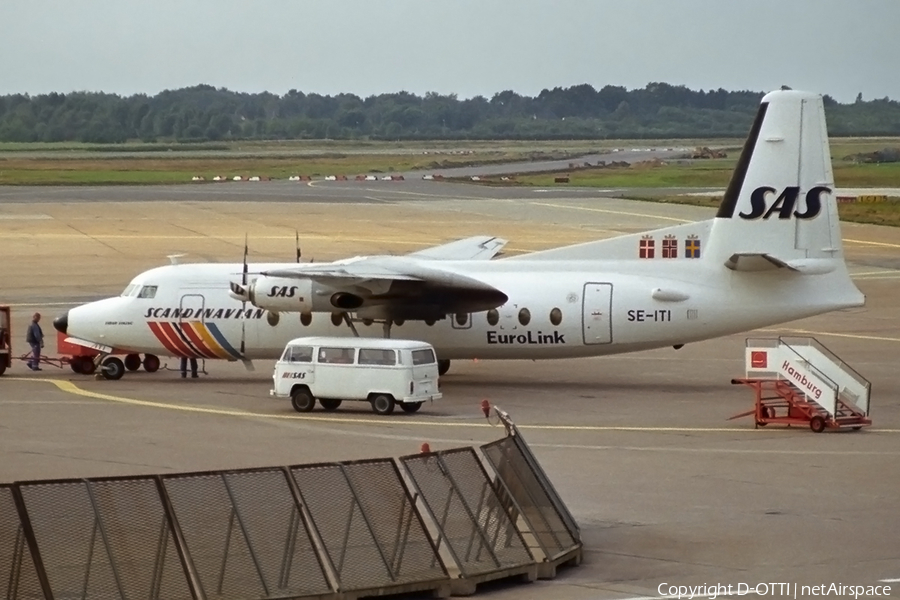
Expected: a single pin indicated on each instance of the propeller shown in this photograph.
(297, 241)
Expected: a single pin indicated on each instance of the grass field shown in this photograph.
(147, 169)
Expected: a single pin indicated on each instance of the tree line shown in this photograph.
(205, 113)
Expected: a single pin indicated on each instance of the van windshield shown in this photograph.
(295, 354)
(423, 357)
(370, 356)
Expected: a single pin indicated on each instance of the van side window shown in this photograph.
(336, 356)
(368, 356)
(148, 291)
(299, 354)
(423, 357)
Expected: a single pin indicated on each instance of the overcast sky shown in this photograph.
(467, 47)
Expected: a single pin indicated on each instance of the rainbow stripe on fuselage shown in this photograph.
(193, 339)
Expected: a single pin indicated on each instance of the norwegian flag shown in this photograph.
(670, 247)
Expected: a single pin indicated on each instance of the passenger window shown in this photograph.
(305, 319)
(377, 357)
(336, 319)
(148, 291)
(556, 316)
(493, 317)
(336, 356)
(524, 316)
(300, 354)
(423, 357)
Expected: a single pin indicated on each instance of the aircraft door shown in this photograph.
(597, 313)
(193, 306)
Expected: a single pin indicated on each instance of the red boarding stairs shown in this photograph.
(797, 381)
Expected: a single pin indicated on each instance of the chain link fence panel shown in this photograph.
(245, 535)
(105, 539)
(463, 504)
(531, 499)
(367, 522)
(18, 574)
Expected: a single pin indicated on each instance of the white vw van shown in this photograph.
(383, 372)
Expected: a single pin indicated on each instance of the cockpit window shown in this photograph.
(130, 289)
(148, 291)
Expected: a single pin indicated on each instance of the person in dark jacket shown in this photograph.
(35, 338)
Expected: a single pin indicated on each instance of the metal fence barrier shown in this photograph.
(18, 575)
(246, 535)
(334, 530)
(473, 524)
(545, 519)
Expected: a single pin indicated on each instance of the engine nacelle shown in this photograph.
(280, 294)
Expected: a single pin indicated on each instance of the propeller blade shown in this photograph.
(297, 241)
(246, 251)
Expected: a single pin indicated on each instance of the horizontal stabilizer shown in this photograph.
(767, 262)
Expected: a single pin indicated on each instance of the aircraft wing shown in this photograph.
(396, 287)
(478, 247)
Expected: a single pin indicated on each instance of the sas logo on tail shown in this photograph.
(784, 203)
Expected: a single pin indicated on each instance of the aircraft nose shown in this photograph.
(61, 323)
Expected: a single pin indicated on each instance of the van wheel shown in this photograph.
(443, 366)
(113, 368)
(302, 400)
(133, 362)
(329, 403)
(383, 404)
(411, 407)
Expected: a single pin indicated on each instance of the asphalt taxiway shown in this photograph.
(665, 488)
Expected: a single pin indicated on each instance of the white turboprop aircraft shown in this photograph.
(772, 254)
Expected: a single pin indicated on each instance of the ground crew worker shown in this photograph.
(184, 363)
(35, 338)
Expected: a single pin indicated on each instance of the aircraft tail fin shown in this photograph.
(780, 205)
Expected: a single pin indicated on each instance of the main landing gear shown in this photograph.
(113, 367)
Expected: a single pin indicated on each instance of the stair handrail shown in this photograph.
(835, 388)
(837, 360)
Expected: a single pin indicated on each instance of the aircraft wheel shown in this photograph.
(302, 400)
(443, 366)
(411, 407)
(383, 404)
(113, 368)
(75, 365)
(88, 366)
(854, 428)
(133, 362)
(817, 424)
(3, 365)
(330, 403)
(151, 363)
